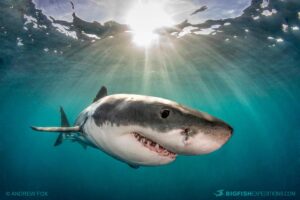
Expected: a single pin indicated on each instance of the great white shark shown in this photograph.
(143, 130)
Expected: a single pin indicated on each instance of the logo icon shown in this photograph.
(219, 193)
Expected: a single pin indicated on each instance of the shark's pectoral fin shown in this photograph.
(133, 166)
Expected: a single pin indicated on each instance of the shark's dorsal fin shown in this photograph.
(101, 93)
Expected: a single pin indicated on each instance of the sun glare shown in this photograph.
(144, 19)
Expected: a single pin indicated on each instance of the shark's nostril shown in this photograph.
(186, 130)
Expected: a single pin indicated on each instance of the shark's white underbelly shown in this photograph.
(118, 142)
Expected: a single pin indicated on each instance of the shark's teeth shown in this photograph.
(157, 147)
(151, 145)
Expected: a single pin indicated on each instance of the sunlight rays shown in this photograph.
(144, 19)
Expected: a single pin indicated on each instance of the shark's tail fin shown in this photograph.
(63, 130)
(64, 122)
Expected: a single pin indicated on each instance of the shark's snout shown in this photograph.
(201, 133)
(206, 138)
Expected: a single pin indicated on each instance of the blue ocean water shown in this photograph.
(247, 75)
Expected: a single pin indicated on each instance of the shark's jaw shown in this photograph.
(130, 144)
(153, 146)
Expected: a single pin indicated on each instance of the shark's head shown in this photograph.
(152, 131)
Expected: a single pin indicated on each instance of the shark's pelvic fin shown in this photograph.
(101, 93)
(133, 166)
(84, 145)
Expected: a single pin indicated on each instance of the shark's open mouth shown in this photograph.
(153, 146)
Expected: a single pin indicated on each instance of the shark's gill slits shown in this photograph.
(153, 146)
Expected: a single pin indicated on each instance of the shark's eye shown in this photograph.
(164, 113)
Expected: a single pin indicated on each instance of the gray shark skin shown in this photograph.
(143, 130)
